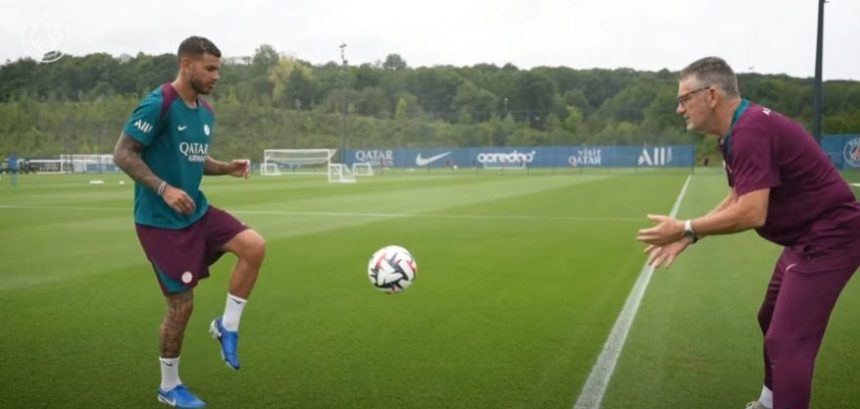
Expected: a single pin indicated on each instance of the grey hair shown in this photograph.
(713, 71)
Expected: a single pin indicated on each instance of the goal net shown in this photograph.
(270, 169)
(51, 166)
(362, 169)
(277, 162)
(340, 173)
(73, 163)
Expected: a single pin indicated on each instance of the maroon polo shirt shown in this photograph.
(809, 201)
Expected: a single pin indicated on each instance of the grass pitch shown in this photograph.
(520, 279)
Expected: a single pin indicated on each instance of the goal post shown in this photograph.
(362, 169)
(270, 169)
(340, 173)
(51, 166)
(277, 162)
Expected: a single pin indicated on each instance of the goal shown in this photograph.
(270, 169)
(278, 162)
(340, 173)
(362, 169)
(51, 166)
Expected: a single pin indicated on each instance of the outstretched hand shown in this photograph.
(240, 168)
(665, 255)
(667, 230)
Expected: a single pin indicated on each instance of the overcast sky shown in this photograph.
(765, 36)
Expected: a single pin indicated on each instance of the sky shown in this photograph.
(763, 36)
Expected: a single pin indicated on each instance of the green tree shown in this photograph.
(435, 89)
(292, 86)
(478, 104)
(536, 97)
(373, 102)
(394, 62)
(573, 122)
(265, 57)
(401, 112)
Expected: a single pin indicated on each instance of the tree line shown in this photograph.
(80, 103)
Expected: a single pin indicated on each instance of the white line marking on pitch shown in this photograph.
(595, 386)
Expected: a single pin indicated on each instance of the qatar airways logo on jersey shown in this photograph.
(194, 151)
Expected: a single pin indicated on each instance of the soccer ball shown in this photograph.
(392, 269)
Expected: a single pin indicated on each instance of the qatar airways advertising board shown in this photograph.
(527, 156)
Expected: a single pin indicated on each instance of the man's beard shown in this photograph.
(199, 87)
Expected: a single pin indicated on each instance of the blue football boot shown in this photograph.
(180, 397)
(229, 342)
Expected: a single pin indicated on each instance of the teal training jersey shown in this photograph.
(176, 143)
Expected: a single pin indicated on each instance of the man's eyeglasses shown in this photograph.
(683, 98)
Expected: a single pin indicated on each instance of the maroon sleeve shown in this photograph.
(754, 164)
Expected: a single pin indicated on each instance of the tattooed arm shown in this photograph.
(126, 155)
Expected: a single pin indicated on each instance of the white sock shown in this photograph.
(169, 373)
(233, 312)
(766, 397)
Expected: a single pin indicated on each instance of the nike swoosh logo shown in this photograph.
(426, 161)
(181, 127)
(167, 364)
(171, 402)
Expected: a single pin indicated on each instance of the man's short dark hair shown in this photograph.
(195, 46)
(713, 71)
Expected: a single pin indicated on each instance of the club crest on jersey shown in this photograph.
(206, 129)
(851, 152)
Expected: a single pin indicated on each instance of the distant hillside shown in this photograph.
(79, 104)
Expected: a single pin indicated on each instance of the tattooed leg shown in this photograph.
(179, 307)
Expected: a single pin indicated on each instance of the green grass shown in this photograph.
(521, 277)
(696, 340)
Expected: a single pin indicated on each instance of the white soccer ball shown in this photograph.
(392, 269)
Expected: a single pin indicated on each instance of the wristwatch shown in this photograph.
(689, 232)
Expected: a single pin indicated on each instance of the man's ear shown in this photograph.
(714, 96)
(185, 64)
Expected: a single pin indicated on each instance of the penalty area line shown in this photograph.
(592, 392)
